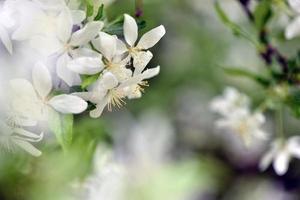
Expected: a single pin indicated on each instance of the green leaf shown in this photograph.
(100, 13)
(236, 29)
(88, 80)
(262, 14)
(243, 73)
(62, 127)
(89, 7)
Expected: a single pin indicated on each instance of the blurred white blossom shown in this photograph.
(280, 154)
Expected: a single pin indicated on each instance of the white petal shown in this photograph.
(88, 33)
(294, 146)
(42, 80)
(293, 29)
(281, 163)
(152, 37)
(22, 88)
(21, 121)
(108, 81)
(99, 108)
(86, 65)
(68, 104)
(121, 47)
(78, 16)
(266, 160)
(141, 60)
(28, 134)
(130, 29)
(4, 37)
(106, 44)
(149, 73)
(46, 45)
(28, 147)
(65, 25)
(295, 5)
(63, 72)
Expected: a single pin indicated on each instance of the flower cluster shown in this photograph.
(71, 48)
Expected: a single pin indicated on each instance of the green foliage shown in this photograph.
(247, 74)
(100, 14)
(236, 29)
(89, 7)
(88, 80)
(62, 127)
(262, 14)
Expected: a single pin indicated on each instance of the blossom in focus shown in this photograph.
(113, 51)
(280, 154)
(34, 100)
(108, 91)
(13, 134)
(139, 51)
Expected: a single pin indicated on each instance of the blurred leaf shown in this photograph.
(262, 14)
(293, 102)
(89, 7)
(236, 29)
(62, 126)
(243, 73)
(88, 80)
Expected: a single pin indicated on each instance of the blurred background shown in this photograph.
(165, 142)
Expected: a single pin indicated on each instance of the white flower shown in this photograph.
(280, 154)
(6, 22)
(293, 30)
(108, 91)
(12, 133)
(148, 40)
(35, 100)
(230, 101)
(113, 51)
(245, 124)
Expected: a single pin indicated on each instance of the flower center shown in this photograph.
(115, 99)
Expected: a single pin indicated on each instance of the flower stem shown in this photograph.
(279, 122)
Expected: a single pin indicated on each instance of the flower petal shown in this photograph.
(130, 29)
(99, 108)
(295, 5)
(293, 29)
(4, 37)
(63, 72)
(88, 33)
(152, 37)
(65, 25)
(86, 65)
(42, 80)
(294, 146)
(29, 134)
(28, 147)
(141, 60)
(78, 16)
(108, 81)
(266, 160)
(67, 104)
(281, 163)
(106, 44)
